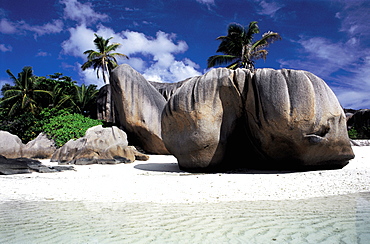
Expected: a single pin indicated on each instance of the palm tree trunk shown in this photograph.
(244, 63)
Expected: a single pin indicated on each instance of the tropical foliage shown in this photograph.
(102, 59)
(22, 96)
(65, 127)
(238, 48)
(28, 105)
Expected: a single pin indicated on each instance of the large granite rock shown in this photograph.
(139, 107)
(104, 105)
(278, 118)
(11, 146)
(167, 89)
(98, 146)
(200, 119)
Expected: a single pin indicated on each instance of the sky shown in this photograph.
(171, 40)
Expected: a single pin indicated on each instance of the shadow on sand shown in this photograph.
(160, 167)
(174, 168)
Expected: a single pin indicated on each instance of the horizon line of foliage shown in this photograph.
(28, 106)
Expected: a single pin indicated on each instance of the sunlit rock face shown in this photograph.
(139, 106)
(98, 146)
(271, 119)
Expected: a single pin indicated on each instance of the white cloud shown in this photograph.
(268, 8)
(20, 27)
(83, 13)
(56, 26)
(42, 54)
(5, 48)
(3, 82)
(318, 51)
(89, 76)
(355, 18)
(207, 2)
(7, 27)
(154, 57)
(81, 39)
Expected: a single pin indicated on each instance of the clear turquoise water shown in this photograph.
(335, 219)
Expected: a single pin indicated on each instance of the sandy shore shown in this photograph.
(159, 180)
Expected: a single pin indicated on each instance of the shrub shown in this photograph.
(64, 127)
(353, 134)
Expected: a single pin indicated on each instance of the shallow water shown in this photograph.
(335, 219)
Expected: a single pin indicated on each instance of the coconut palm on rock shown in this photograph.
(239, 49)
(102, 58)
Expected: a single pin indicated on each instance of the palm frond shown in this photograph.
(11, 75)
(119, 55)
(112, 47)
(252, 29)
(88, 51)
(267, 39)
(234, 65)
(217, 60)
(87, 65)
(258, 54)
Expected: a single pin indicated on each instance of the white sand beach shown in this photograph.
(159, 180)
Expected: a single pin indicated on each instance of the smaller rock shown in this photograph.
(41, 147)
(26, 166)
(138, 155)
(98, 146)
(11, 146)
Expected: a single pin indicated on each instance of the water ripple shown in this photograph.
(337, 219)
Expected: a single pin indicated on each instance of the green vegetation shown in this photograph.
(29, 106)
(102, 58)
(22, 96)
(65, 127)
(359, 133)
(239, 49)
(353, 134)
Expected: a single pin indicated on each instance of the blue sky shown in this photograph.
(170, 40)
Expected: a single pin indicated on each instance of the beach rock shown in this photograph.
(25, 166)
(105, 105)
(41, 147)
(139, 106)
(98, 146)
(294, 120)
(281, 119)
(138, 155)
(11, 146)
(200, 120)
(167, 89)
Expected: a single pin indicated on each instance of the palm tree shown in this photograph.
(59, 96)
(239, 49)
(22, 96)
(84, 98)
(102, 58)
